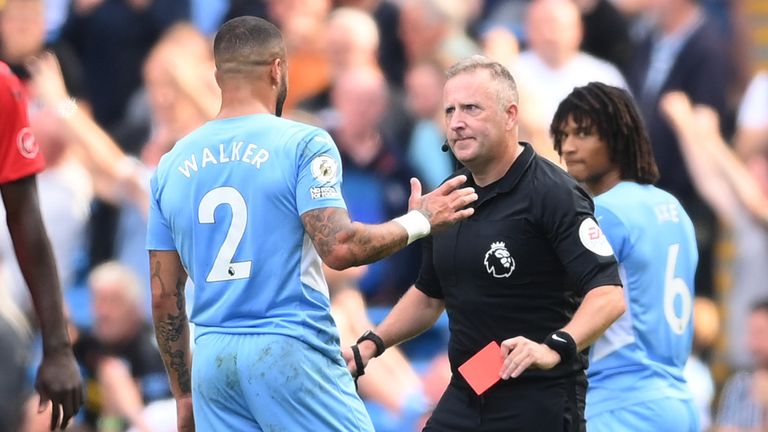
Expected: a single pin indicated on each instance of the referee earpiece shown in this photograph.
(445, 147)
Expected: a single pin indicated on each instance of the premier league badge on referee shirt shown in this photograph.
(498, 261)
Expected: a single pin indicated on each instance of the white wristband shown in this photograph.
(415, 223)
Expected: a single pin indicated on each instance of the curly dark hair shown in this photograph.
(612, 114)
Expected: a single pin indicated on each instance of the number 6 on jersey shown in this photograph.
(674, 287)
(223, 268)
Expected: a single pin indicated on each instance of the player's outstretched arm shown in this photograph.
(58, 377)
(172, 329)
(342, 243)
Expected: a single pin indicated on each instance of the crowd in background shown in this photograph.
(371, 73)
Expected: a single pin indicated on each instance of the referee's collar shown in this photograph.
(510, 179)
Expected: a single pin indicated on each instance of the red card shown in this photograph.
(482, 370)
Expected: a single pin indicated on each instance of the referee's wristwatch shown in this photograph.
(562, 343)
(373, 337)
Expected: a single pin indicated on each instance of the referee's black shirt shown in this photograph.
(519, 266)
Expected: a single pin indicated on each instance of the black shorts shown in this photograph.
(555, 405)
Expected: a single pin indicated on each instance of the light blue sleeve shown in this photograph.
(615, 231)
(319, 174)
(159, 236)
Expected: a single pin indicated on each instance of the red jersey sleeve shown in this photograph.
(19, 153)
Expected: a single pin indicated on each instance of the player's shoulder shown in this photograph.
(630, 195)
(298, 131)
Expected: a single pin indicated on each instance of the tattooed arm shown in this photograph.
(172, 328)
(342, 243)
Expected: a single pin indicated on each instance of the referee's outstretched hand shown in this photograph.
(520, 354)
(445, 205)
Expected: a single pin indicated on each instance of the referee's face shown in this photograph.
(476, 126)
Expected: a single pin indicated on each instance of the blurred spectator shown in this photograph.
(391, 53)
(239, 8)
(606, 32)
(112, 38)
(55, 16)
(435, 29)
(508, 14)
(744, 402)
(208, 15)
(22, 35)
(752, 116)
(303, 23)
(424, 88)
(124, 371)
(345, 53)
(684, 52)
(376, 177)
(553, 66)
(706, 325)
(737, 190)
(501, 45)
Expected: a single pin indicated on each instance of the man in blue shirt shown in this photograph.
(636, 368)
(248, 206)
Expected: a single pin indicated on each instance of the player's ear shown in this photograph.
(217, 76)
(275, 71)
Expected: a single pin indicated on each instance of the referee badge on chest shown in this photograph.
(498, 261)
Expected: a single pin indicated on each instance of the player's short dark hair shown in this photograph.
(612, 114)
(245, 42)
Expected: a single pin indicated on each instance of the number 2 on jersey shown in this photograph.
(223, 268)
(676, 287)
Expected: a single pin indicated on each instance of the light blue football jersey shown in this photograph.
(229, 199)
(642, 355)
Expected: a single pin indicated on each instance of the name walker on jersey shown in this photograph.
(221, 154)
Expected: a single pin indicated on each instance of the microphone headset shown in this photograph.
(445, 147)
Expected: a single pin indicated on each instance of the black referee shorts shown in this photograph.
(555, 405)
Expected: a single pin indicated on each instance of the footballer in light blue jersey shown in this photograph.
(642, 355)
(229, 197)
(636, 367)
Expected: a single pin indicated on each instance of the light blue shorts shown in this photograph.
(657, 415)
(272, 383)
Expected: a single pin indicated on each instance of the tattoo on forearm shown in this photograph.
(156, 269)
(170, 330)
(330, 227)
(323, 225)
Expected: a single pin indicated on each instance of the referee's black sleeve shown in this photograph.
(428, 282)
(566, 212)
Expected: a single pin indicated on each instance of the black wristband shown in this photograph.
(359, 367)
(562, 343)
(373, 337)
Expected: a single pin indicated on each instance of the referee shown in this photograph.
(530, 270)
